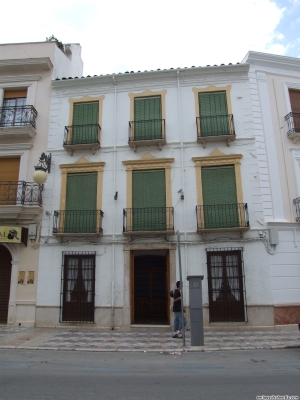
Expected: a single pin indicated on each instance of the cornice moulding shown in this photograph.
(222, 70)
(272, 60)
(23, 64)
(19, 78)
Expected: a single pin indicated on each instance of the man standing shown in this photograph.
(177, 313)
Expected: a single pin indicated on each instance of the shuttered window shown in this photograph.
(81, 203)
(295, 100)
(147, 118)
(149, 200)
(85, 122)
(219, 197)
(213, 114)
(9, 169)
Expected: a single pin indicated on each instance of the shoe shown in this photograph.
(174, 335)
(179, 336)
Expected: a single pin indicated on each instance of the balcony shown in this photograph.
(77, 223)
(215, 129)
(293, 121)
(297, 205)
(147, 133)
(17, 122)
(148, 221)
(82, 137)
(20, 200)
(222, 217)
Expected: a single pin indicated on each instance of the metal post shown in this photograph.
(181, 284)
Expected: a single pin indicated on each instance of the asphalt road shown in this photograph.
(66, 375)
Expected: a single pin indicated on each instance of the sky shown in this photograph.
(118, 36)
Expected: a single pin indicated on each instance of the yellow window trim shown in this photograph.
(87, 99)
(149, 162)
(215, 159)
(210, 89)
(148, 93)
(81, 166)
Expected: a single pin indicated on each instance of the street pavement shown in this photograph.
(145, 340)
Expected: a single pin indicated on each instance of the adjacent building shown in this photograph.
(275, 95)
(26, 71)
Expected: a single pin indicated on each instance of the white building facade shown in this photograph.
(275, 95)
(26, 72)
(137, 157)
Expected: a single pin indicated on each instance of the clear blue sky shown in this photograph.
(134, 35)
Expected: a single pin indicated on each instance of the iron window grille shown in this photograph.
(293, 121)
(148, 219)
(218, 216)
(17, 116)
(215, 125)
(77, 295)
(82, 134)
(226, 285)
(297, 205)
(147, 130)
(20, 193)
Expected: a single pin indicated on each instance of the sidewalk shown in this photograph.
(145, 340)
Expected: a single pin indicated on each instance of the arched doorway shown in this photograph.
(5, 276)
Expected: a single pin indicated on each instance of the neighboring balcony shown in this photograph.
(297, 205)
(222, 217)
(216, 128)
(147, 133)
(148, 221)
(293, 121)
(82, 137)
(77, 223)
(20, 200)
(17, 122)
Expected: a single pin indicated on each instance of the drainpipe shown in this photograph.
(114, 216)
(182, 169)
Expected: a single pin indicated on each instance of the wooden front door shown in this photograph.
(150, 290)
(5, 275)
(78, 296)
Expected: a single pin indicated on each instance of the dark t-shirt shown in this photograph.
(177, 304)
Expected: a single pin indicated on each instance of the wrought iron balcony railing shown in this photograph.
(297, 204)
(153, 129)
(20, 193)
(150, 219)
(78, 221)
(216, 125)
(17, 116)
(82, 134)
(293, 121)
(220, 216)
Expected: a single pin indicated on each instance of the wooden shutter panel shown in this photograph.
(86, 113)
(9, 169)
(147, 108)
(219, 197)
(295, 100)
(149, 200)
(80, 214)
(213, 114)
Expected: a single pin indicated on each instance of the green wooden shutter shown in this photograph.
(213, 114)
(147, 118)
(85, 123)
(149, 200)
(81, 203)
(219, 197)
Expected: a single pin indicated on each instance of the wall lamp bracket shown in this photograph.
(116, 196)
(44, 163)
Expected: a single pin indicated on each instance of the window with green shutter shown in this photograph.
(149, 200)
(147, 118)
(219, 197)
(81, 200)
(85, 123)
(213, 114)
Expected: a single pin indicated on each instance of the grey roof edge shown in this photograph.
(271, 60)
(127, 76)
